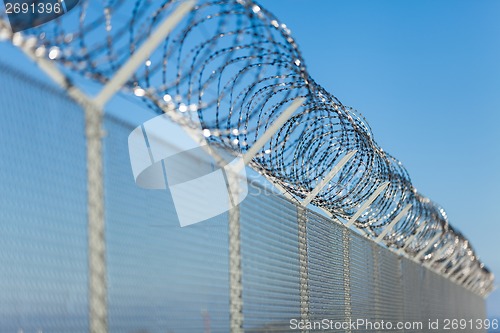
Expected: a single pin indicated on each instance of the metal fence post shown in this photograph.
(346, 243)
(98, 314)
(303, 258)
(302, 228)
(367, 204)
(235, 272)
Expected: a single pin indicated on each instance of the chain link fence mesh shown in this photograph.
(43, 221)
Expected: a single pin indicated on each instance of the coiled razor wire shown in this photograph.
(237, 67)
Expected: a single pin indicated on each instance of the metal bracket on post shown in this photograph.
(475, 283)
(275, 126)
(333, 172)
(393, 223)
(468, 282)
(436, 256)
(447, 261)
(468, 262)
(454, 269)
(411, 238)
(465, 276)
(366, 204)
(427, 247)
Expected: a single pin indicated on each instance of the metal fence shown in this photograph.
(295, 263)
(235, 70)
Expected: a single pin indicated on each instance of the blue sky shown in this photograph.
(426, 75)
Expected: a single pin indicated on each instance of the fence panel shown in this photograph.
(326, 276)
(162, 278)
(43, 244)
(270, 261)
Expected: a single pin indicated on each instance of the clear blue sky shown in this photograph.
(426, 75)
